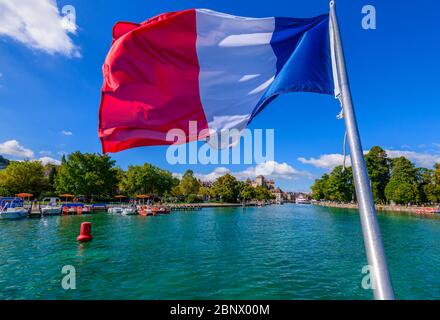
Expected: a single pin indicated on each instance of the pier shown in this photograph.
(185, 207)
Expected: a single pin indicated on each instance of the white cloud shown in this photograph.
(46, 160)
(38, 25)
(420, 158)
(273, 169)
(269, 169)
(13, 148)
(45, 152)
(218, 172)
(327, 161)
(67, 133)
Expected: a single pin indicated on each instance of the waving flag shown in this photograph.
(199, 65)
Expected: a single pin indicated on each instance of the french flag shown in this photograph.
(200, 65)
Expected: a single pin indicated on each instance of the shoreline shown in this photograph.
(413, 211)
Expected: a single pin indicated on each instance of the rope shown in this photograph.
(340, 116)
(345, 151)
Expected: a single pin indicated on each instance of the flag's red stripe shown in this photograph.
(151, 83)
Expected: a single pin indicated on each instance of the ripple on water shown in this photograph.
(277, 252)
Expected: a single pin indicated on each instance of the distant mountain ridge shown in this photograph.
(3, 162)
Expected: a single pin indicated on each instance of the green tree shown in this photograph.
(262, 194)
(146, 179)
(205, 193)
(339, 186)
(189, 184)
(88, 174)
(432, 185)
(225, 188)
(378, 166)
(246, 192)
(23, 176)
(319, 190)
(403, 185)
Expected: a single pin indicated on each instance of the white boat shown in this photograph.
(52, 208)
(302, 201)
(129, 211)
(115, 210)
(12, 208)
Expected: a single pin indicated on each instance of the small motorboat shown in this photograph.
(52, 208)
(115, 210)
(12, 208)
(164, 210)
(74, 209)
(428, 211)
(129, 211)
(146, 211)
(302, 200)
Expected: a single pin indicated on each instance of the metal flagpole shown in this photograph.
(380, 277)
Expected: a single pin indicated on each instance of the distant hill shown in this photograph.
(3, 162)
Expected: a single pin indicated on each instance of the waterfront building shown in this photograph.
(279, 194)
(259, 181)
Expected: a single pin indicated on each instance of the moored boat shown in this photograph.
(428, 211)
(115, 210)
(301, 200)
(145, 211)
(12, 208)
(164, 210)
(52, 208)
(129, 211)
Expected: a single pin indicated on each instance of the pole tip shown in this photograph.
(332, 4)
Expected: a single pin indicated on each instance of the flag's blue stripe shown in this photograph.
(302, 48)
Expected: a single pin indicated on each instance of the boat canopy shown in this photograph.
(10, 202)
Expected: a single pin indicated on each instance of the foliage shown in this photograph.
(226, 188)
(378, 166)
(262, 194)
(247, 192)
(192, 198)
(189, 185)
(392, 180)
(87, 174)
(336, 186)
(23, 176)
(339, 186)
(146, 179)
(319, 188)
(431, 184)
(403, 185)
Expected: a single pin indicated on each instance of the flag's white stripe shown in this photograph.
(237, 64)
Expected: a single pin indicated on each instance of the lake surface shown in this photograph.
(274, 252)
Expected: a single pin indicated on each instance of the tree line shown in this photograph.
(396, 180)
(96, 177)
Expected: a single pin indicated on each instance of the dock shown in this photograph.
(185, 207)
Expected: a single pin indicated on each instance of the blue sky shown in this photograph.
(50, 80)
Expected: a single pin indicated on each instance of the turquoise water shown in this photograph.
(274, 252)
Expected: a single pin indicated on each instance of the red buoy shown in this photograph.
(85, 233)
